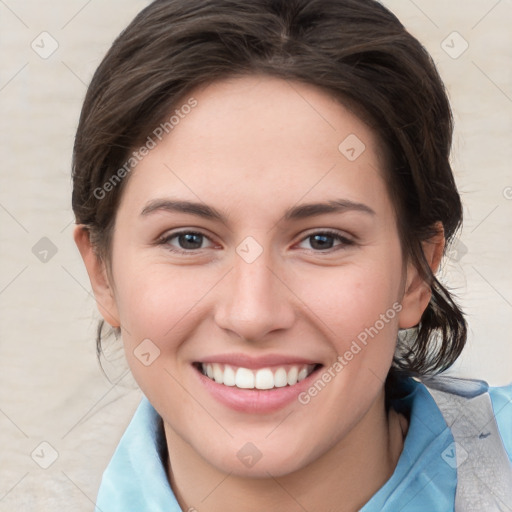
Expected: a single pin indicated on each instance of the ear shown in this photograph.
(417, 292)
(103, 291)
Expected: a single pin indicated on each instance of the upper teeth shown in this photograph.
(264, 378)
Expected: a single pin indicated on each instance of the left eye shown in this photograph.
(323, 241)
(187, 241)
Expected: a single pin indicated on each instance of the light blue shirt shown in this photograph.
(423, 481)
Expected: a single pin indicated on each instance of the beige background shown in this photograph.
(51, 388)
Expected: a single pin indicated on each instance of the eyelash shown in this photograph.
(345, 242)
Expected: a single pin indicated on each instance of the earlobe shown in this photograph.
(103, 292)
(417, 292)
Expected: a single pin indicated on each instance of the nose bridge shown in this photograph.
(253, 283)
(254, 301)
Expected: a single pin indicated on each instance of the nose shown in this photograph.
(254, 300)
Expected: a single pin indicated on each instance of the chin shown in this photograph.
(269, 460)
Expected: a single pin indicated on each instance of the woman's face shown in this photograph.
(257, 243)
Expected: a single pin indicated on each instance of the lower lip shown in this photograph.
(255, 401)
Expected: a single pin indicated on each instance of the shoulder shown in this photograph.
(465, 392)
(501, 398)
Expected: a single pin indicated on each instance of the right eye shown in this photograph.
(185, 241)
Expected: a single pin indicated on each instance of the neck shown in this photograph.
(343, 479)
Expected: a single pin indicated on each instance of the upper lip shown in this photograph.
(249, 362)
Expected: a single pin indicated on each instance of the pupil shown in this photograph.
(188, 240)
(324, 241)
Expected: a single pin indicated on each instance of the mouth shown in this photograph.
(266, 378)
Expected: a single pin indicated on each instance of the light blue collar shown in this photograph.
(423, 478)
(135, 478)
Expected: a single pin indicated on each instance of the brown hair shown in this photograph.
(355, 50)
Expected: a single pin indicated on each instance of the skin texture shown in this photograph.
(252, 148)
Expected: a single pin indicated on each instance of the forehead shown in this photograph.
(252, 138)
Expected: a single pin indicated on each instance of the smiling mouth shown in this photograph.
(262, 379)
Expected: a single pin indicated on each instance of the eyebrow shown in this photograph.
(302, 211)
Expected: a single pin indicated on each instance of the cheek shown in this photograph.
(358, 310)
(158, 301)
(352, 299)
(157, 310)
